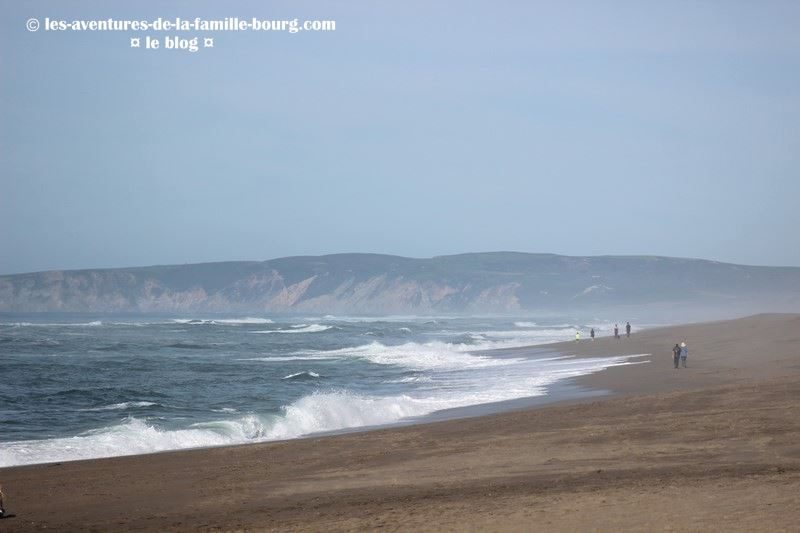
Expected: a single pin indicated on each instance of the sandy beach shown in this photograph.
(715, 446)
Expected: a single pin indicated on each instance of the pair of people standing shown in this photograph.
(627, 330)
(679, 354)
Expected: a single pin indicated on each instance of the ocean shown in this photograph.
(78, 386)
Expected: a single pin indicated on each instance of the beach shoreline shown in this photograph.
(728, 422)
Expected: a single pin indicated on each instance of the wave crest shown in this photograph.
(428, 356)
(302, 375)
(314, 413)
(300, 328)
(122, 405)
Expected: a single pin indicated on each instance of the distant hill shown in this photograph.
(370, 283)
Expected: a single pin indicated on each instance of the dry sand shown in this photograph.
(712, 447)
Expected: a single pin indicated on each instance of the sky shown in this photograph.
(415, 128)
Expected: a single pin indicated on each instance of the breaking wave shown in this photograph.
(222, 321)
(314, 413)
(122, 405)
(247, 320)
(428, 356)
(299, 328)
(302, 375)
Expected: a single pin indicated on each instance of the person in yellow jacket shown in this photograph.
(577, 336)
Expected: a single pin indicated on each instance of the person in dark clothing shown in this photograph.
(591, 334)
(628, 329)
(676, 354)
(616, 331)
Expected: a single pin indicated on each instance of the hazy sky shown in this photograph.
(416, 128)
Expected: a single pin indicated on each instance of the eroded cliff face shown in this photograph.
(65, 291)
(68, 291)
(366, 283)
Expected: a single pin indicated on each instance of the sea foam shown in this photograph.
(299, 328)
(426, 356)
(121, 406)
(222, 321)
(313, 413)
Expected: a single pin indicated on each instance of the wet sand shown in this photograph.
(712, 447)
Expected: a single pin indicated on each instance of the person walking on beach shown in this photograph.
(591, 333)
(684, 353)
(628, 329)
(616, 331)
(2, 506)
(676, 354)
(577, 336)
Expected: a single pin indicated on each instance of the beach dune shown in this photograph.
(715, 446)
